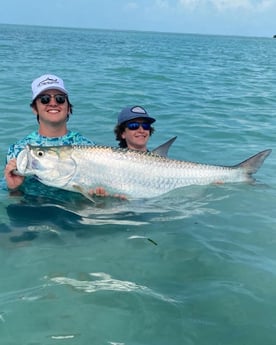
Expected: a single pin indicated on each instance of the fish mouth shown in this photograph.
(16, 172)
(22, 162)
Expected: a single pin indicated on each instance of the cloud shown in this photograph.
(191, 4)
(131, 6)
(225, 5)
(251, 5)
(162, 4)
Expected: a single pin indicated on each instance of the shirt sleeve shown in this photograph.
(13, 152)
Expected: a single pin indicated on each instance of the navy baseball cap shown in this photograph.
(131, 113)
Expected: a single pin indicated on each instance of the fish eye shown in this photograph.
(40, 153)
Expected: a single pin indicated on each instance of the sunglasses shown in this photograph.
(133, 126)
(45, 99)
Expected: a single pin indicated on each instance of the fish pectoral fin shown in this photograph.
(218, 182)
(82, 191)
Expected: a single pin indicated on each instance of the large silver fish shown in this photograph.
(131, 173)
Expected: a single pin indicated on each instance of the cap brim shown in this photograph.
(50, 88)
(147, 118)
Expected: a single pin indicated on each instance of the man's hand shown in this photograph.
(100, 191)
(13, 181)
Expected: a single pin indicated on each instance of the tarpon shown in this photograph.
(134, 174)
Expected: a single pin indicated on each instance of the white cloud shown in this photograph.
(224, 5)
(162, 4)
(131, 6)
(191, 3)
(252, 5)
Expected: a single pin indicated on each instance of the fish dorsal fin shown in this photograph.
(163, 149)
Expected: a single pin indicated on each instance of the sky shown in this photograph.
(220, 17)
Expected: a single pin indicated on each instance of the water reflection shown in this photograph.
(32, 216)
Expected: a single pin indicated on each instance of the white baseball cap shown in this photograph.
(47, 82)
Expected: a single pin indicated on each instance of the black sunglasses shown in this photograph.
(133, 126)
(45, 99)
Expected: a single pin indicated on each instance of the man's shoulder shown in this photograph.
(76, 138)
(15, 148)
(33, 138)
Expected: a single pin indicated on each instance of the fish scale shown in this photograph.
(132, 173)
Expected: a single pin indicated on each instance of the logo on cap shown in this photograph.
(138, 110)
(48, 81)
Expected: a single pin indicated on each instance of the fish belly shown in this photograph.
(137, 175)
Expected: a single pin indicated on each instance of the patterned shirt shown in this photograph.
(70, 138)
(31, 186)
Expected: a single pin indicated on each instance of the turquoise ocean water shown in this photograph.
(194, 267)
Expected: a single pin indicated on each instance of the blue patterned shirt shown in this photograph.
(31, 186)
(70, 138)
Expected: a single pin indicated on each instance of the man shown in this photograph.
(134, 128)
(52, 108)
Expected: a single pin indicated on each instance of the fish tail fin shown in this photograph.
(252, 164)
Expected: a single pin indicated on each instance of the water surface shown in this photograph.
(197, 266)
